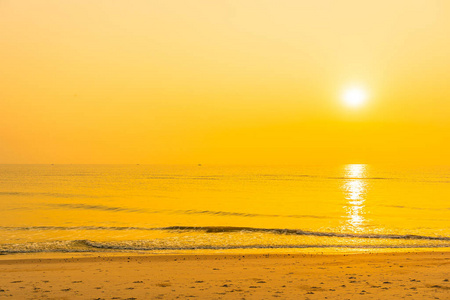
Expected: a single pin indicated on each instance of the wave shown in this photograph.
(49, 194)
(291, 177)
(184, 177)
(100, 207)
(231, 229)
(261, 177)
(415, 208)
(95, 246)
(178, 211)
(216, 229)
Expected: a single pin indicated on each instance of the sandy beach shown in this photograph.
(423, 275)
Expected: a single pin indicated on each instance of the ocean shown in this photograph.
(202, 209)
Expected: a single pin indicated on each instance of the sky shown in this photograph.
(224, 82)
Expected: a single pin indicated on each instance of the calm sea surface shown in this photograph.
(172, 209)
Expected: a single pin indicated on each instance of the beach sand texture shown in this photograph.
(423, 275)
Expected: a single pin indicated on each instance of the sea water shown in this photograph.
(193, 208)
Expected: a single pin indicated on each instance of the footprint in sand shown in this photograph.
(163, 284)
(438, 287)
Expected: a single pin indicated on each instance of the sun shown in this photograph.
(354, 97)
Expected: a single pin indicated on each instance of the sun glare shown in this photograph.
(354, 97)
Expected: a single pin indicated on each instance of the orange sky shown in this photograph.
(254, 82)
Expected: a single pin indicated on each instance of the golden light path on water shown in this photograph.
(355, 191)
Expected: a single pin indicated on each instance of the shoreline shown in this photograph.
(50, 256)
(414, 275)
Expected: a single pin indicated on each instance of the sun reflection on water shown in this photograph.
(355, 191)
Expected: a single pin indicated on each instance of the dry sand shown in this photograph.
(423, 275)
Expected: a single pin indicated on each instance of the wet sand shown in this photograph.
(423, 275)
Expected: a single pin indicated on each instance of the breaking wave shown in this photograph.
(96, 246)
(229, 229)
